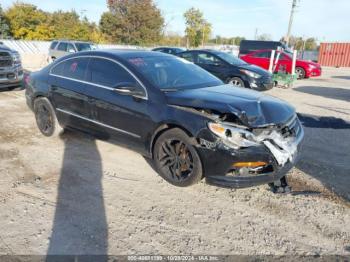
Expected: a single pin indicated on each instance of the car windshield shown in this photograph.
(231, 59)
(173, 73)
(84, 46)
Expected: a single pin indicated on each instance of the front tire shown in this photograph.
(176, 159)
(236, 82)
(45, 117)
(300, 72)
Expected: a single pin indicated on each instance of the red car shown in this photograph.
(303, 69)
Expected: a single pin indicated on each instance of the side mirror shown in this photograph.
(71, 50)
(127, 88)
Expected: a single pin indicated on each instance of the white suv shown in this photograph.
(63, 47)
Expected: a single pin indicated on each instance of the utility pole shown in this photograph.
(294, 5)
(304, 44)
(256, 34)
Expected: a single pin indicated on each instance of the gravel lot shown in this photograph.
(77, 195)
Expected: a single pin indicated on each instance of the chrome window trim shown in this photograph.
(98, 85)
(98, 123)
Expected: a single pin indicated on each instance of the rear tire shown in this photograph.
(45, 117)
(176, 159)
(236, 82)
(300, 72)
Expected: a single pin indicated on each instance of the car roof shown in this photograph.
(170, 47)
(266, 50)
(72, 41)
(213, 51)
(122, 53)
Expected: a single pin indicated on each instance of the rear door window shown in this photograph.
(207, 59)
(73, 68)
(108, 73)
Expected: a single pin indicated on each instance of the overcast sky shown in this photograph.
(325, 19)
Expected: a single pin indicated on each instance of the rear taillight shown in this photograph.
(26, 79)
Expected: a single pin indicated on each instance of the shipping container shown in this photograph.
(334, 54)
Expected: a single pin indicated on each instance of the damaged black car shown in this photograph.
(185, 120)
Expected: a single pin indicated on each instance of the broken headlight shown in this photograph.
(233, 136)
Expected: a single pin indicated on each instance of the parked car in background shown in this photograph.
(61, 48)
(169, 50)
(248, 46)
(11, 71)
(187, 121)
(303, 69)
(230, 69)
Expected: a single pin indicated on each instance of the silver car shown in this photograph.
(61, 48)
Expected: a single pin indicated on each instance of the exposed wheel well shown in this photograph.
(163, 128)
(35, 98)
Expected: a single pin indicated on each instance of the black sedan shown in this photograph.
(187, 121)
(230, 69)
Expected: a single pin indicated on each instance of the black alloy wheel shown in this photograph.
(176, 160)
(45, 117)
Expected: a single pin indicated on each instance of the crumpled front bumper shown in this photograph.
(218, 163)
(241, 182)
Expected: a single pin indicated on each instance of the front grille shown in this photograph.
(5, 59)
(292, 128)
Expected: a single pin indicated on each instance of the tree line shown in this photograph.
(135, 22)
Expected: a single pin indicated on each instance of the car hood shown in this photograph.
(254, 109)
(255, 69)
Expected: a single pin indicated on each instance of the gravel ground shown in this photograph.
(77, 195)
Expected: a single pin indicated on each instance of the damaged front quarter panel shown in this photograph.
(233, 136)
(230, 131)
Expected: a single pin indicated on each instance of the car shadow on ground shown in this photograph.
(327, 92)
(80, 225)
(342, 77)
(325, 152)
